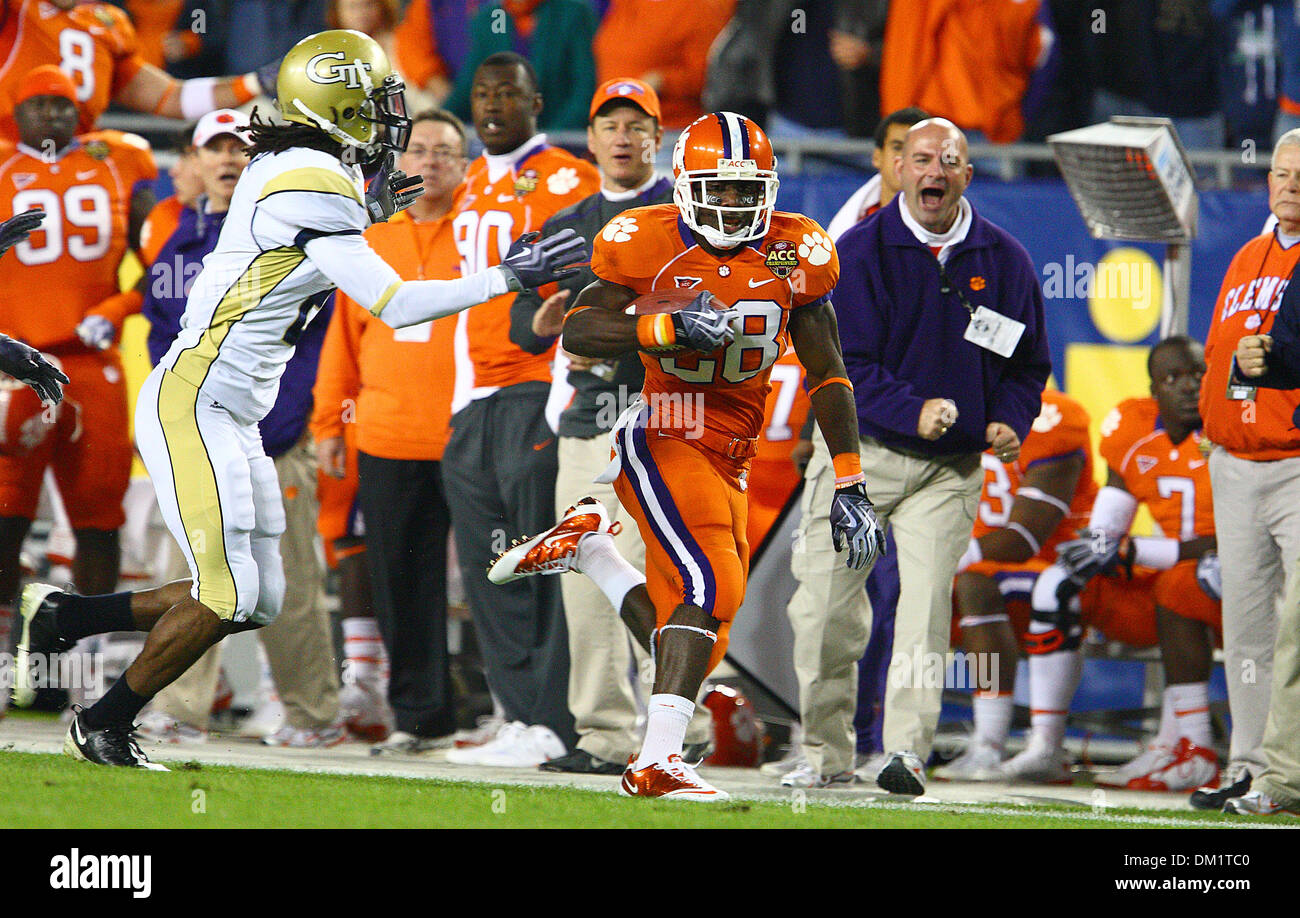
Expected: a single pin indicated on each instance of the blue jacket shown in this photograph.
(903, 337)
(181, 257)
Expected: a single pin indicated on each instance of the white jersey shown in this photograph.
(292, 234)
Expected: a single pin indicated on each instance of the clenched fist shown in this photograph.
(1252, 355)
(937, 415)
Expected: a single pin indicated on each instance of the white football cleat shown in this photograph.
(978, 763)
(555, 550)
(365, 712)
(671, 779)
(1153, 758)
(1187, 768)
(1037, 765)
(516, 745)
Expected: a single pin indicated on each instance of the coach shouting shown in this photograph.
(941, 319)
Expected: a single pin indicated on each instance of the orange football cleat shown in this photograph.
(555, 550)
(671, 779)
(1190, 767)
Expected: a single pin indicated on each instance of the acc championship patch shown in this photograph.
(782, 258)
(97, 149)
(526, 182)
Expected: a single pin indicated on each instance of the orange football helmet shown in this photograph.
(715, 152)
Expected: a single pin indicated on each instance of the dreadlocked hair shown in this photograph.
(276, 137)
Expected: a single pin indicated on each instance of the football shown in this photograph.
(661, 301)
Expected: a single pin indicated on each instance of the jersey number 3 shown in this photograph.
(754, 349)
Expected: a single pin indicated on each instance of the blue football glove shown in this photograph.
(1093, 553)
(26, 365)
(96, 332)
(854, 524)
(702, 326)
(1209, 575)
(18, 227)
(530, 263)
(391, 190)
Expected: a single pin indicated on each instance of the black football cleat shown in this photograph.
(582, 762)
(1213, 798)
(114, 745)
(38, 635)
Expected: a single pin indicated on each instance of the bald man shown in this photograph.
(941, 320)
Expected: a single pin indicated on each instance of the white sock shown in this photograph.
(599, 559)
(993, 718)
(1053, 677)
(665, 727)
(1167, 735)
(1191, 706)
(364, 650)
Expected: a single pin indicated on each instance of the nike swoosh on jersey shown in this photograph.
(89, 173)
(753, 284)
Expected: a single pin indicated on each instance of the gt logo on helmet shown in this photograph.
(352, 76)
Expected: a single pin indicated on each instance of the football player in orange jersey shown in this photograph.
(94, 190)
(24, 363)
(1159, 589)
(683, 453)
(95, 45)
(1027, 508)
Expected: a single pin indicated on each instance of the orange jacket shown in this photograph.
(394, 384)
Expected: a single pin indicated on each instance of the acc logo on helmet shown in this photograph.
(350, 75)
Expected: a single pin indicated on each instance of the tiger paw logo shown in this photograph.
(816, 248)
(1048, 417)
(620, 229)
(562, 181)
(978, 283)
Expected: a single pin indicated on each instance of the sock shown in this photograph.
(364, 650)
(607, 568)
(1053, 677)
(82, 616)
(1167, 735)
(120, 705)
(993, 718)
(666, 720)
(1190, 702)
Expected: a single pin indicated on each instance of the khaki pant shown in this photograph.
(930, 506)
(602, 695)
(1257, 522)
(299, 644)
(1281, 743)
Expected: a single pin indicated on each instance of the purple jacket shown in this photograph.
(903, 336)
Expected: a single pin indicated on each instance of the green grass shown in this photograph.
(50, 791)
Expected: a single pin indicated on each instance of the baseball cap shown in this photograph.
(46, 80)
(629, 90)
(221, 121)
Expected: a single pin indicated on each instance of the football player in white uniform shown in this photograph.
(293, 234)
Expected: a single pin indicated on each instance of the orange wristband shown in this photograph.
(826, 382)
(246, 88)
(655, 332)
(848, 469)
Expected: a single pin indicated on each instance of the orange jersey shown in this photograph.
(396, 384)
(494, 209)
(650, 248)
(71, 262)
(93, 43)
(772, 475)
(1060, 430)
(1248, 302)
(158, 227)
(1173, 481)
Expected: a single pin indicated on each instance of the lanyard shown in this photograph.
(949, 287)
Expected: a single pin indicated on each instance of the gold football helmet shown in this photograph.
(341, 82)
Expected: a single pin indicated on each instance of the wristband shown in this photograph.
(198, 97)
(656, 332)
(826, 382)
(1150, 551)
(848, 470)
(245, 88)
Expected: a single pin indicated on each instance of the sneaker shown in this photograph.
(555, 550)
(158, 727)
(671, 779)
(1155, 757)
(38, 634)
(806, 776)
(1235, 783)
(517, 745)
(265, 720)
(485, 731)
(365, 712)
(978, 763)
(903, 773)
(1191, 766)
(1257, 803)
(113, 745)
(307, 737)
(781, 767)
(401, 743)
(582, 762)
(1036, 765)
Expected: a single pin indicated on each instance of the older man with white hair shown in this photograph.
(1255, 466)
(941, 320)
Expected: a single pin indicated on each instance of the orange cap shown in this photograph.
(46, 80)
(628, 90)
